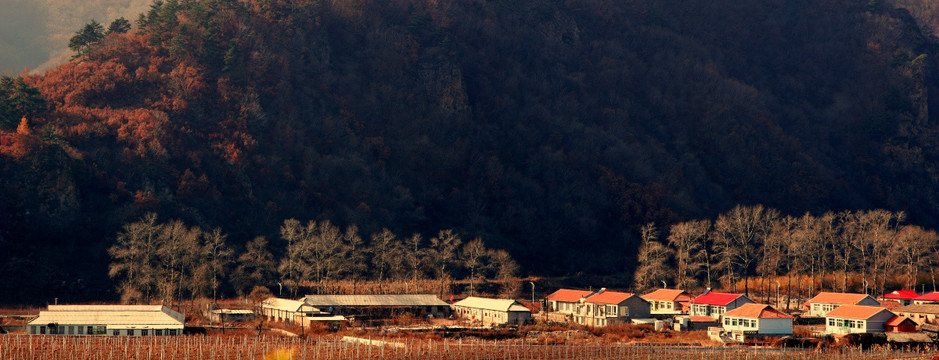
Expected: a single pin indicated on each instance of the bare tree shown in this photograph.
(687, 239)
(291, 264)
(739, 235)
(320, 250)
(506, 271)
(255, 266)
(653, 260)
(218, 259)
(442, 254)
(387, 254)
(414, 256)
(354, 252)
(132, 259)
(473, 256)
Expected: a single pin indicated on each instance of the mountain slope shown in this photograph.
(553, 129)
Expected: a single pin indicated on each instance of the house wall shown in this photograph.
(774, 326)
(635, 308)
(98, 329)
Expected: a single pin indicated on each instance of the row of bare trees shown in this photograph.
(171, 261)
(753, 243)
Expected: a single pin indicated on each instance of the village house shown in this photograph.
(667, 302)
(285, 310)
(714, 304)
(920, 313)
(756, 320)
(851, 319)
(904, 297)
(130, 320)
(927, 298)
(824, 302)
(566, 300)
(492, 311)
(612, 307)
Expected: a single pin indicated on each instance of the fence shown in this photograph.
(27, 347)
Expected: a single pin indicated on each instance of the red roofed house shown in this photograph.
(667, 301)
(904, 297)
(566, 302)
(927, 298)
(612, 307)
(850, 319)
(749, 320)
(824, 302)
(900, 324)
(714, 304)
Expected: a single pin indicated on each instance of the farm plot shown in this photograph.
(27, 347)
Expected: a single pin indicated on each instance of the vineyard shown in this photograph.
(15, 347)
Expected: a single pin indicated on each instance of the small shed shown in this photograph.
(900, 324)
(492, 311)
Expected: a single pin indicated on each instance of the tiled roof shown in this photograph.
(932, 309)
(568, 295)
(901, 295)
(837, 298)
(933, 296)
(717, 298)
(761, 311)
(855, 312)
(668, 295)
(491, 304)
(899, 320)
(608, 297)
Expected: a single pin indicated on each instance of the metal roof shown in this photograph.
(283, 304)
(322, 301)
(507, 305)
(112, 315)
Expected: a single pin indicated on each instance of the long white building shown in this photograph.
(130, 320)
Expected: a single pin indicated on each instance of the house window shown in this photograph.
(158, 332)
(144, 332)
(831, 322)
(727, 321)
(115, 332)
(130, 332)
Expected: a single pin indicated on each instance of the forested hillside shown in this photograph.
(552, 129)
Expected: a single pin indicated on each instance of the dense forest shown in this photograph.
(553, 129)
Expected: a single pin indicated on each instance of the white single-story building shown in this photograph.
(756, 320)
(492, 311)
(850, 319)
(131, 320)
(286, 310)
